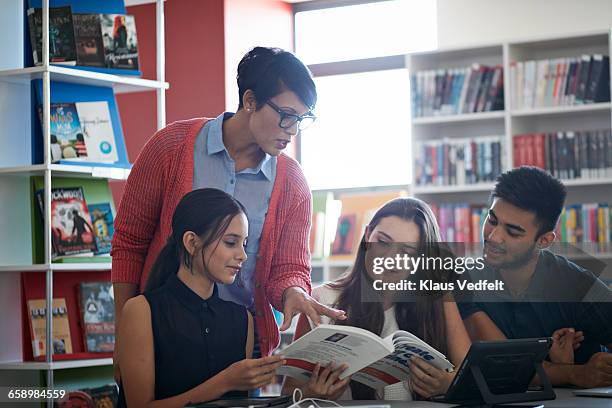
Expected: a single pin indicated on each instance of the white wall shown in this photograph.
(473, 22)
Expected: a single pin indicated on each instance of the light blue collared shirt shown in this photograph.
(214, 168)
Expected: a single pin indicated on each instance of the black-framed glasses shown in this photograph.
(287, 119)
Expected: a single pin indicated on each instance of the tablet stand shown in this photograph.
(490, 399)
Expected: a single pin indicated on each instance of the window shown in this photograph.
(360, 138)
(365, 30)
(362, 134)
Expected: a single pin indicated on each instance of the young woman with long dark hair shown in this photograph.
(406, 222)
(182, 343)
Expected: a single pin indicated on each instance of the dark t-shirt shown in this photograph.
(561, 294)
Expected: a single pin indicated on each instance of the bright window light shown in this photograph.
(366, 30)
(362, 135)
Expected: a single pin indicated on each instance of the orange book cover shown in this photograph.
(62, 343)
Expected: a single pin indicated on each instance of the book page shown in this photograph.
(394, 367)
(342, 344)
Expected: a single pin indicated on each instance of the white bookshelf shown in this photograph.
(120, 84)
(55, 365)
(16, 169)
(464, 117)
(330, 269)
(562, 110)
(58, 267)
(66, 170)
(512, 121)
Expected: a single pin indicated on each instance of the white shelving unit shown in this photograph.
(512, 121)
(16, 168)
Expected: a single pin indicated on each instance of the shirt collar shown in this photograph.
(189, 298)
(214, 145)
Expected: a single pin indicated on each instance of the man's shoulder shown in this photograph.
(564, 268)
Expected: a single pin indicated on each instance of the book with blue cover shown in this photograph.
(102, 221)
(67, 140)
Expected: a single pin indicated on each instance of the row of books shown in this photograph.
(460, 222)
(566, 155)
(458, 161)
(579, 223)
(338, 223)
(77, 229)
(97, 315)
(560, 81)
(478, 88)
(97, 40)
(586, 223)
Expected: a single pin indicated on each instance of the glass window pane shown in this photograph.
(362, 134)
(366, 30)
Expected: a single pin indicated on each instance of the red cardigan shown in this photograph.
(163, 173)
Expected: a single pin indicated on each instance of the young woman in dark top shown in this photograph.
(181, 343)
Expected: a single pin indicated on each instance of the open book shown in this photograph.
(373, 361)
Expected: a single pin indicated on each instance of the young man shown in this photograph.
(544, 294)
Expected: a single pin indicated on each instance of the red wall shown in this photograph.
(194, 68)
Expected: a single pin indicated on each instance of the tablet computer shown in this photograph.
(497, 372)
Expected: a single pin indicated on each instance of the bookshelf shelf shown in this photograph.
(595, 181)
(56, 365)
(59, 267)
(465, 117)
(331, 263)
(560, 110)
(69, 170)
(466, 188)
(120, 84)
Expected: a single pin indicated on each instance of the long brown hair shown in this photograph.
(423, 317)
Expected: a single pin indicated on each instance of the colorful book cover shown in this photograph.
(62, 343)
(67, 140)
(61, 35)
(106, 396)
(120, 42)
(102, 222)
(97, 131)
(345, 235)
(71, 230)
(88, 39)
(98, 313)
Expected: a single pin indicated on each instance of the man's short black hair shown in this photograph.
(266, 71)
(535, 190)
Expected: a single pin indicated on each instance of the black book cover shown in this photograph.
(475, 76)
(61, 35)
(88, 39)
(593, 155)
(571, 72)
(483, 90)
(598, 89)
(583, 80)
(609, 152)
(601, 156)
(98, 316)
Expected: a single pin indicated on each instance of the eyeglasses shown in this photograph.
(287, 119)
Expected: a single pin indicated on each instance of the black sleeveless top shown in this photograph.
(194, 339)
